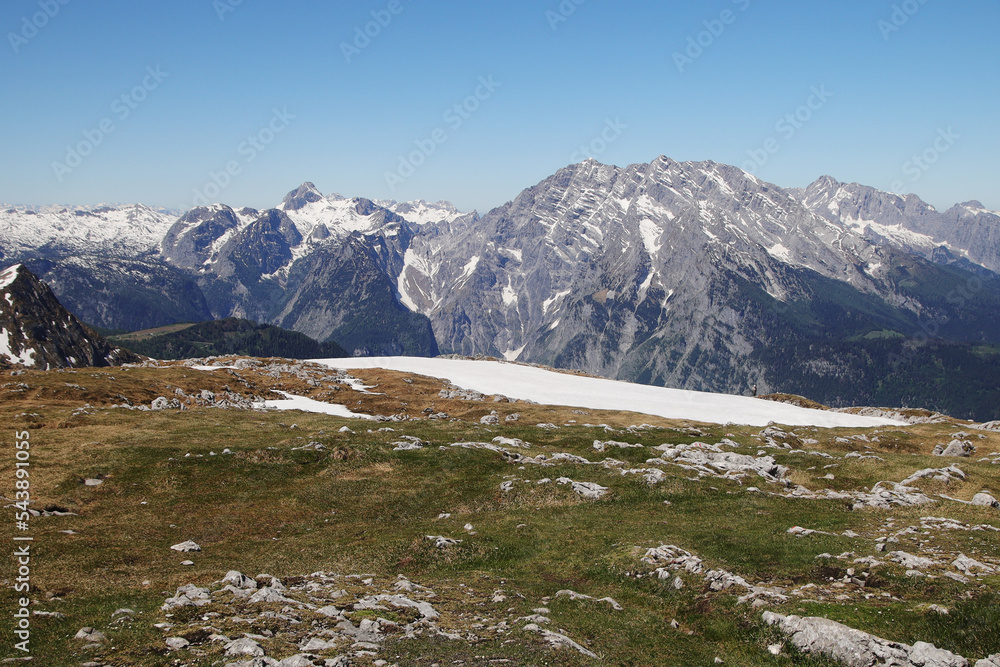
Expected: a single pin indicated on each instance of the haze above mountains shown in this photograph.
(694, 275)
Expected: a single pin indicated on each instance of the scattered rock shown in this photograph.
(244, 646)
(90, 635)
(557, 640)
(177, 643)
(712, 461)
(606, 444)
(911, 562)
(585, 489)
(856, 648)
(185, 547)
(188, 596)
(239, 580)
(984, 499)
(963, 448)
(579, 596)
(442, 542)
(949, 474)
(511, 442)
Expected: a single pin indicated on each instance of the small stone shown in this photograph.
(185, 547)
(90, 635)
(244, 646)
(177, 643)
(187, 563)
(239, 580)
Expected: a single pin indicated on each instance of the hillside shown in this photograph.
(458, 527)
(226, 337)
(37, 332)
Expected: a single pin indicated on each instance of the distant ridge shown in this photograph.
(230, 336)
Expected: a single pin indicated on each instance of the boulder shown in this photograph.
(956, 447)
(855, 648)
(90, 635)
(244, 646)
(984, 499)
(177, 643)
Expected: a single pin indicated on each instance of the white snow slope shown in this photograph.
(553, 388)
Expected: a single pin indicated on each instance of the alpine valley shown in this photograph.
(694, 275)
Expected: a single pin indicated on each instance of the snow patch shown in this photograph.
(647, 282)
(513, 355)
(509, 295)
(516, 253)
(553, 388)
(469, 268)
(780, 253)
(718, 180)
(552, 299)
(410, 261)
(305, 404)
(896, 233)
(27, 357)
(9, 276)
(651, 233)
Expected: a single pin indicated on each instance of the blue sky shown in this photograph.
(266, 90)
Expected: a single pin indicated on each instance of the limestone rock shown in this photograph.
(855, 648)
(984, 499)
(90, 635)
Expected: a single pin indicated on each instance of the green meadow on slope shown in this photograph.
(296, 496)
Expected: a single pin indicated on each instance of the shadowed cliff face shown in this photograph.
(37, 332)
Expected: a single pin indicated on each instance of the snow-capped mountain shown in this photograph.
(37, 332)
(115, 229)
(420, 212)
(695, 275)
(324, 265)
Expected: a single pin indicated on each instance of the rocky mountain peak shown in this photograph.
(37, 332)
(305, 194)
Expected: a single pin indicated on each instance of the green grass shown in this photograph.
(361, 508)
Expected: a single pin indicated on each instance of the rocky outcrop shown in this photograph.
(855, 648)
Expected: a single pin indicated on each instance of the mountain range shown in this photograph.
(695, 275)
